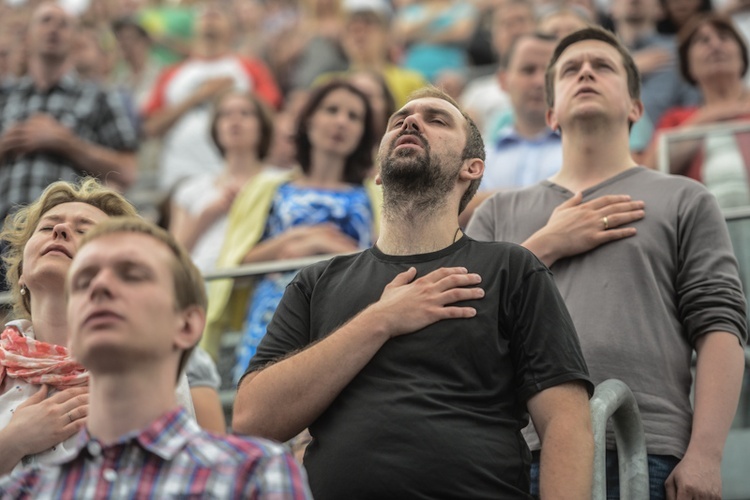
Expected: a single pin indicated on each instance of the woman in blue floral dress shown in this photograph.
(325, 210)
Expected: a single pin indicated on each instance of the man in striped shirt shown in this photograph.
(136, 309)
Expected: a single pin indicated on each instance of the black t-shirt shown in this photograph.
(437, 413)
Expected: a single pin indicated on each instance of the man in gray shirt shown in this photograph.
(646, 281)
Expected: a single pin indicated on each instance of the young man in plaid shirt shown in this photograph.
(136, 309)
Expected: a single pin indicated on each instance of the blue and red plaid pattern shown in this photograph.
(172, 458)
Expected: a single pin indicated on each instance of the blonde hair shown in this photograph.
(189, 288)
(19, 227)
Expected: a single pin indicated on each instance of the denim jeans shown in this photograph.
(659, 469)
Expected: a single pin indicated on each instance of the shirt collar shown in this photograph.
(508, 135)
(68, 81)
(165, 436)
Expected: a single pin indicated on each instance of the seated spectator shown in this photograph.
(53, 126)
(138, 69)
(136, 310)
(282, 153)
(562, 21)
(483, 98)
(373, 85)
(178, 108)
(43, 394)
(677, 13)
(307, 44)
(526, 151)
(714, 57)
(367, 42)
(327, 208)
(241, 128)
(436, 34)
(662, 88)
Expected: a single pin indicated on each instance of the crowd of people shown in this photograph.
(492, 230)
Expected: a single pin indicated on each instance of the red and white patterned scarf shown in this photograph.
(38, 362)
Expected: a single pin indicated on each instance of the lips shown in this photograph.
(586, 90)
(58, 248)
(409, 139)
(100, 316)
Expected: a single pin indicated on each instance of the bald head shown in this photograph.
(50, 32)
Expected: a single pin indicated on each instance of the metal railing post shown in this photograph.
(613, 399)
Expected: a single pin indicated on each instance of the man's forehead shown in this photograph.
(528, 45)
(425, 104)
(588, 49)
(50, 8)
(122, 247)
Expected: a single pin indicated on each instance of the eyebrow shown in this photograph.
(119, 264)
(577, 61)
(58, 218)
(427, 111)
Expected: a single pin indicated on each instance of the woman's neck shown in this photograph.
(326, 170)
(49, 317)
(241, 166)
(723, 90)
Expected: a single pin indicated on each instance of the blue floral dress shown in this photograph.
(292, 206)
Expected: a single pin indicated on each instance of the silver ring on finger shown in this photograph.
(70, 417)
(605, 221)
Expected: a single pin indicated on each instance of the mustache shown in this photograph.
(412, 134)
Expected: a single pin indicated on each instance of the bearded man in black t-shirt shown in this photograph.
(416, 363)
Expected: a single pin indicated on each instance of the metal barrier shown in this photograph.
(693, 132)
(613, 399)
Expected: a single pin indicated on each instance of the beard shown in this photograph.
(415, 179)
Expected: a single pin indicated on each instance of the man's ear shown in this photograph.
(472, 169)
(192, 321)
(378, 180)
(636, 111)
(502, 78)
(552, 119)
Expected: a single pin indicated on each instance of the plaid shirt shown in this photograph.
(171, 458)
(93, 114)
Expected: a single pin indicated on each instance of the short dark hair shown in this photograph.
(687, 34)
(474, 147)
(602, 35)
(669, 26)
(537, 35)
(359, 163)
(265, 117)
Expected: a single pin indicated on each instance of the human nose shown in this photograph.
(101, 285)
(586, 71)
(411, 122)
(62, 230)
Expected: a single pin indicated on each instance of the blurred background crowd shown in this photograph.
(166, 61)
(249, 128)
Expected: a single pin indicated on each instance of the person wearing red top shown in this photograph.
(713, 57)
(178, 108)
